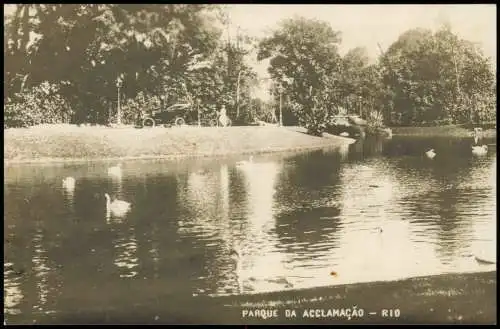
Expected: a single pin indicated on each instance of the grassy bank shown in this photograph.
(450, 298)
(442, 299)
(71, 143)
(451, 130)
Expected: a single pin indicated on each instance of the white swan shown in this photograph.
(69, 183)
(245, 162)
(116, 208)
(430, 154)
(116, 170)
(480, 150)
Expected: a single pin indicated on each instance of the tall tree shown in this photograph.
(435, 76)
(304, 56)
(154, 47)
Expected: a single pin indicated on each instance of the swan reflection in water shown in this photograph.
(125, 245)
(68, 185)
(125, 242)
(12, 290)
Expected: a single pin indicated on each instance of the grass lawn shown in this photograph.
(70, 143)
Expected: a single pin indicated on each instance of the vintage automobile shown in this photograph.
(177, 114)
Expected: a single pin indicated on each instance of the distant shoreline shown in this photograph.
(440, 131)
(72, 144)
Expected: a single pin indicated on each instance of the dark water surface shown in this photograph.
(375, 210)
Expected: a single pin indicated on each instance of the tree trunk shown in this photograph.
(238, 95)
(23, 83)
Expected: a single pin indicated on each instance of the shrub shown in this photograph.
(375, 123)
(314, 121)
(139, 105)
(312, 115)
(375, 120)
(42, 104)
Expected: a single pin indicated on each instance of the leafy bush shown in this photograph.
(375, 123)
(314, 121)
(14, 116)
(41, 104)
(140, 105)
(375, 120)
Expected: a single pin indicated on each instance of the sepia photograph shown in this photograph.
(250, 164)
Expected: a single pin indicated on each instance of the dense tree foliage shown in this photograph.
(173, 52)
(62, 63)
(303, 60)
(437, 77)
(423, 78)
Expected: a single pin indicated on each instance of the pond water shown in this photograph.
(372, 211)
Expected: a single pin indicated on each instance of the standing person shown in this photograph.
(138, 118)
(223, 119)
(477, 135)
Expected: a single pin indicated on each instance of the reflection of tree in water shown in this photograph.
(441, 220)
(308, 181)
(314, 171)
(406, 146)
(206, 228)
(367, 147)
(306, 194)
(145, 241)
(91, 204)
(438, 198)
(160, 201)
(312, 225)
(31, 279)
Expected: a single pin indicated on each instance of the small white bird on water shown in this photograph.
(480, 150)
(69, 183)
(430, 154)
(117, 208)
(115, 171)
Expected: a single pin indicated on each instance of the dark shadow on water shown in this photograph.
(308, 225)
